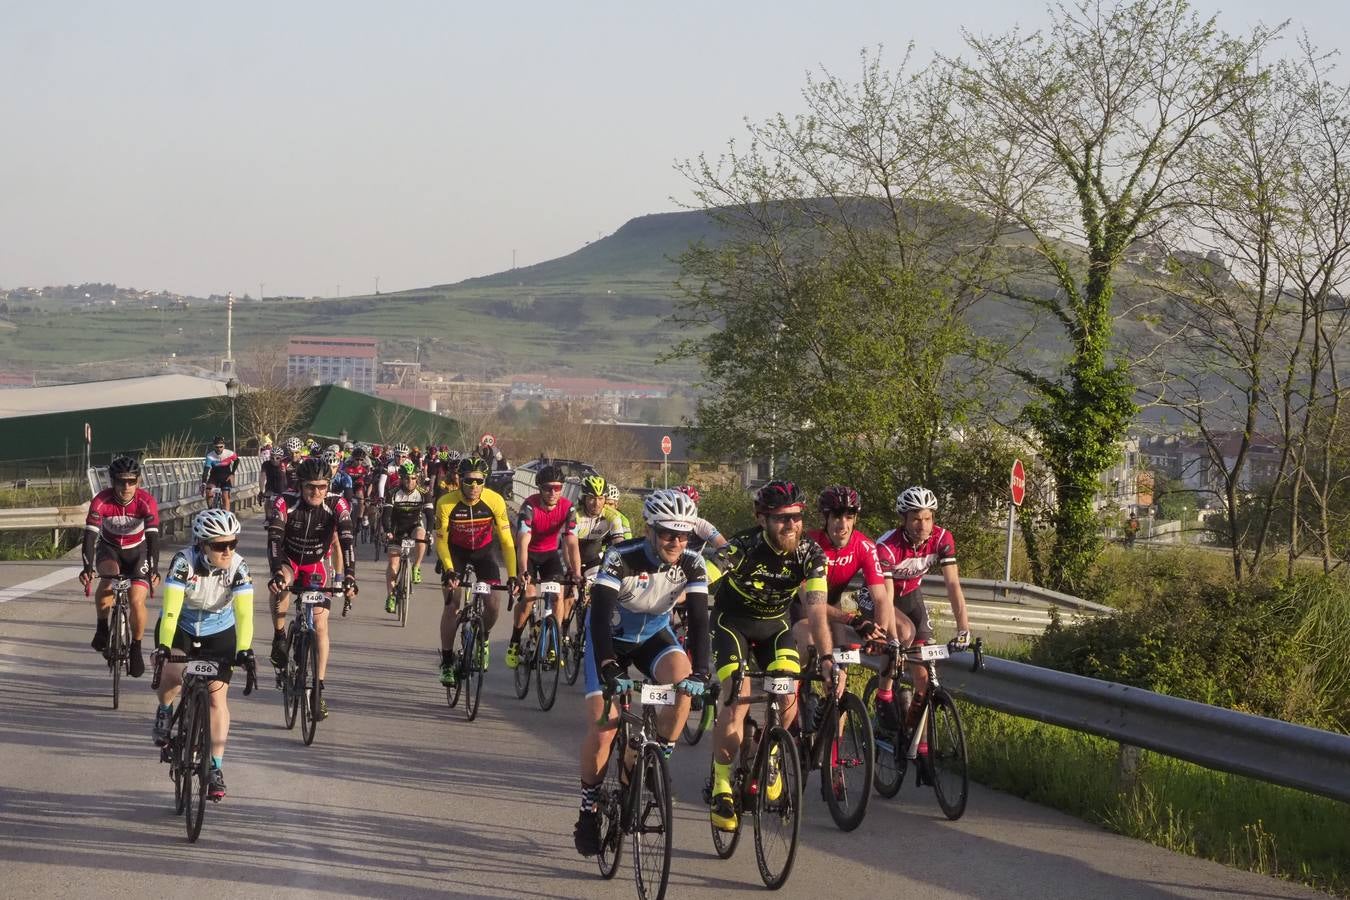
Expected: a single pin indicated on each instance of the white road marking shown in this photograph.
(19, 591)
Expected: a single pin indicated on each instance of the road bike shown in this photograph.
(359, 517)
(634, 798)
(702, 710)
(188, 749)
(376, 529)
(936, 726)
(766, 779)
(471, 643)
(539, 648)
(118, 651)
(403, 580)
(837, 740)
(298, 681)
(215, 497)
(574, 633)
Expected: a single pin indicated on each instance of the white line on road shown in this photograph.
(19, 591)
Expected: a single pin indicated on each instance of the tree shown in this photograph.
(1075, 134)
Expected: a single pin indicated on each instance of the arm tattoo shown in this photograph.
(813, 598)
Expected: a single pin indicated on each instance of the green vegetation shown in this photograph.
(37, 544)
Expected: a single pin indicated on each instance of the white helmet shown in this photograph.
(210, 524)
(915, 498)
(612, 492)
(669, 509)
(332, 457)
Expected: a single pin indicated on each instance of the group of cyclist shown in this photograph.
(765, 596)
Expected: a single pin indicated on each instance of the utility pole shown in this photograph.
(377, 285)
(513, 259)
(261, 285)
(229, 334)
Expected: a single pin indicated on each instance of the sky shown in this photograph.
(314, 147)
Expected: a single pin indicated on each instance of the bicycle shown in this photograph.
(574, 634)
(945, 765)
(188, 750)
(702, 711)
(636, 801)
(359, 517)
(837, 739)
(118, 651)
(376, 531)
(301, 693)
(472, 641)
(539, 648)
(215, 497)
(403, 580)
(764, 758)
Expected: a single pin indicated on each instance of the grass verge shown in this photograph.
(19, 545)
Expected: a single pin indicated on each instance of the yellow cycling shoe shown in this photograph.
(512, 656)
(774, 789)
(722, 813)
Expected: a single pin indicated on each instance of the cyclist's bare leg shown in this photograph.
(595, 745)
(170, 680)
(727, 730)
(391, 570)
(672, 668)
(903, 631)
(225, 500)
(137, 596)
(220, 718)
(108, 569)
(492, 609)
(523, 608)
(449, 618)
(321, 632)
(420, 548)
(281, 600)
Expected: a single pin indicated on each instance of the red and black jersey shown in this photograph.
(119, 525)
(908, 562)
(360, 475)
(301, 533)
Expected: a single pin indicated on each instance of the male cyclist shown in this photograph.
(274, 473)
(639, 584)
(907, 553)
(300, 529)
(339, 482)
(546, 520)
(121, 539)
(598, 525)
(468, 518)
(218, 469)
(612, 502)
(705, 534)
(358, 470)
(763, 569)
(401, 519)
(208, 599)
(389, 470)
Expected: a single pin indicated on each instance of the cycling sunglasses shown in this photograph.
(223, 546)
(666, 534)
(473, 481)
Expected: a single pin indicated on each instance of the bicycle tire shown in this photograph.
(177, 759)
(856, 751)
(201, 765)
(403, 590)
(452, 691)
(651, 861)
(474, 670)
(309, 685)
(609, 803)
(290, 684)
(890, 763)
(724, 842)
(546, 673)
(525, 665)
(696, 722)
(786, 808)
(947, 755)
(571, 650)
(116, 651)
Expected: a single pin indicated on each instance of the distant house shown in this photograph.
(350, 362)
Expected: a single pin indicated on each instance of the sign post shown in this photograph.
(1018, 488)
(88, 445)
(665, 460)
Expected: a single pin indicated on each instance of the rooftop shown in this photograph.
(26, 401)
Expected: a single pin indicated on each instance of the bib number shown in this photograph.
(310, 598)
(482, 587)
(550, 587)
(203, 667)
(407, 547)
(658, 695)
(846, 657)
(933, 651)
(780, 685)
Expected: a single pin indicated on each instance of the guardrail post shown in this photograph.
(1127, 768)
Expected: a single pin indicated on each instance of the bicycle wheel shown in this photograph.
(547, 665)
(473, 669)
(117, 650)
(178, 756)
(309, 690)
(847, 771)
(290, 682)
(524, 671)
(702, 713)
(724, 842)
(947, 755)
(653, 826)
(609, 803)
(200, 753)
(890, 763)
(571, 649)
(777, 818)
(404, 591)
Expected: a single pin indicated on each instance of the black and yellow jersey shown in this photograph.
(471, 526)
(759, 582)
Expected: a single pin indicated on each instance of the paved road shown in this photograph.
(400, 797)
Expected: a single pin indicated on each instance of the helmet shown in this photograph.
(333, 447)
(217, 440)
(453, 455)
(915, 498)
(669, 509)
(689, 491)
(210, 524)
(778, 495)
(399, 448)
(349, 446)
(548, 475)
(612, 493)
(359, 453)
(292, 445)
(124, 466)
(408, 469)
(593, 486)
(332, 457)
(311, 469)
(444, 448)
(839, 499)
(312, 444)
(472, 464)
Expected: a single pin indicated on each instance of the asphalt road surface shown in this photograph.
(400, 797)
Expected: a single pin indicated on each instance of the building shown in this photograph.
(350, 362)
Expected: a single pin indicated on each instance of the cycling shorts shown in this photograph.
(644, 655)
(547, 566)
(767, 641)
(912, 606)
(405, 533)
(218, 648)
(313, 574)
(483, 562)
(127, 562)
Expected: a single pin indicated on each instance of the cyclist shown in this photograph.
(401, 519)
(638, 585)
(546, 520)
(358, 470)
(218, 469)
(293, 454)
(208, 599)
(763, 568)
(121, 539)
(907, 553)
(467, 519)
(300, 530)
(705, 536)
(339, 482)
(612, 501)
(274, 473)
(389, 474)
(598, 525)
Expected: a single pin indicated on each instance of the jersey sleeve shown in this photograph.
(814, 568)
(870, 563)
(444, 505)
(695, 572)
(503, 526)
(569, 523)
(946, 549)
(612, 571)
(705, 530)
(886, 559)
(175, 588)
(241, 595)
(525, 518)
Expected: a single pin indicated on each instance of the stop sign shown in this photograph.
(665, 444)
(1018, 482)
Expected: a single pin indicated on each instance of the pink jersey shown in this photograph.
(908, 563)
(546, 526)
(122, 526)
(858, 555)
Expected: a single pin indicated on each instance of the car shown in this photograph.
(522, 480)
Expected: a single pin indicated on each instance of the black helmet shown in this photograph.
(473, 464)
(311, 469)
(778, 495)
(124, 466)
(839, 499)
(548, 475)
(217, 440)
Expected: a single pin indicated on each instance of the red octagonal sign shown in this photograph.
(1018, 483)
(665, 445)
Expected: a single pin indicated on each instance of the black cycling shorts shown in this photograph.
(912, 606)
(546, 566)
(644, 655)
(767, 641)
(132, 562)
(483, 561)
(407, 532)
(218, 647)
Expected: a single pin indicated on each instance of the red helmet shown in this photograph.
(689, 491)
(839, 499)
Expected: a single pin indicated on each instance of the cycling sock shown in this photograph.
(215, 762)
(667, 748)
(166, 707)
(885, 696)
(516, 631)
(447, 657)
(721, 778)
(589, 793)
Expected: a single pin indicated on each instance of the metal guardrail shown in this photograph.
(1227, 740)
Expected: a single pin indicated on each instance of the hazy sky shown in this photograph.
(204, 148)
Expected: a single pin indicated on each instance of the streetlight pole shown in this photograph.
(232, 391)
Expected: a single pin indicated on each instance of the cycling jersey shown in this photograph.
(341, 486)
(360, 475)
(704, 531)
(907, 562)
(760, 582)
(470, 526)
(122, 526)
(546, 526)
(201, 600)
(402, 511)
(635, 592)
(858, 555)
(389, 480)
(276, 476)
(596, 533)
(219, 466)
(300, 533)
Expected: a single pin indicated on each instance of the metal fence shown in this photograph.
(176, 486)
